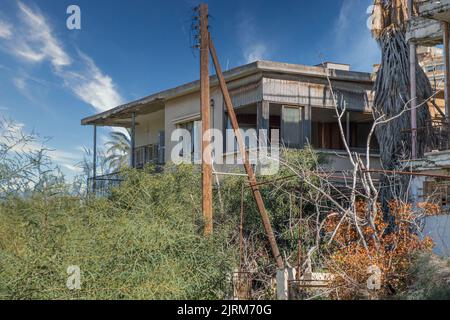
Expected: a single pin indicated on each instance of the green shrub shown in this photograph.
(146, 240)
(142, 243)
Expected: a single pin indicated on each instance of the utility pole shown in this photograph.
(206, 122)
(413, 85)
(248, 168)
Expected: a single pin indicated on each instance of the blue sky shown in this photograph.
(51, 77)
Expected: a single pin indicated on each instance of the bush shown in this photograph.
(430, 279)
(142, 243)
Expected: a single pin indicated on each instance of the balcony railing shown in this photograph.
(149, 154)
(101, 186)
(435, 135)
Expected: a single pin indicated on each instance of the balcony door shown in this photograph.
(292, 127)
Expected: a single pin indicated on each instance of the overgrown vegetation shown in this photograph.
(145, 240)
(142, 243)
(430, 279)
(388, 257)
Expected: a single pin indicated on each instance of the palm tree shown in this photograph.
(119, 151)
(392, 92)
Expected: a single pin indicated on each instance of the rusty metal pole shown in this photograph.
(207, 206)
(248, 168)
(133, 140)
(413, 85)
(445, 26)
(299, 253)
(94, 162)
(241, 233)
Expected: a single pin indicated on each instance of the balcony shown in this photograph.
(149, 154)
(101, 186)
(436, 134)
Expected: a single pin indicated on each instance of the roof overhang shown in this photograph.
(121, 115)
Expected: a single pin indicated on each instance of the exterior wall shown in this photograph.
(187, 109)
(297, 91)
(315, 93)
(437, 228)
(148, 128)
(338, 160)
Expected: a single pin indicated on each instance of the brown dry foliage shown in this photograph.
(391, 252)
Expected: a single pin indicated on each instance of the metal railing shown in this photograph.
(149, 154)
(101, 186)
(435, 135)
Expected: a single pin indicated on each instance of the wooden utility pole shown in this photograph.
(206, 122)
(248, 168)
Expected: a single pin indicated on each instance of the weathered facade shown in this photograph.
(295, 99)
(431, 182)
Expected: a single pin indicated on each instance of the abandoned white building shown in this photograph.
(295, 99)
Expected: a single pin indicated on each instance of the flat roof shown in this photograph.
(157, 100)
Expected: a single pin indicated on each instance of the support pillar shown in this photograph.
(307, 125)
(133, 140)
(94, 161)
(348, 129)
(445, 27)
(413, 86)
(263, 122)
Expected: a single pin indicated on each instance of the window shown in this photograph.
(194, 128)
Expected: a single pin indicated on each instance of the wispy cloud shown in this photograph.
(351, 39)
(93, 86)
(22, 86)
(253, 47)
(36, 43)
(256, 51)
(5, 30)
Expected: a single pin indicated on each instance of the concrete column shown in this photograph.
(133, 140)
(307, 124)
(445, 27)
(348, 135)
(263, 121)
(282, 284)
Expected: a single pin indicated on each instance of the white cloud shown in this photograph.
(35, 43)
(19, 83)
(39, 42)
(351, 39)
(255, 52)
(253, 47)
(5, 30)
(93, 86)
